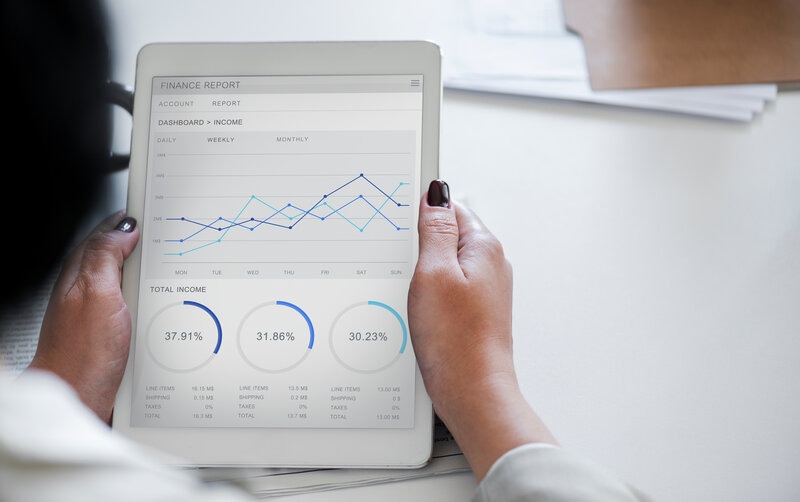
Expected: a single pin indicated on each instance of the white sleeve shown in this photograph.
(546, 473)
(54, 448)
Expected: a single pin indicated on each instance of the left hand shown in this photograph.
(86, 330)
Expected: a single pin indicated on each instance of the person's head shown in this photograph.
(56, 68)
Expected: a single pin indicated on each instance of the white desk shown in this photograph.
(657, 260)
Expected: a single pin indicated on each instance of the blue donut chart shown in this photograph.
(271, 354)
(370, 353)
(184, 318)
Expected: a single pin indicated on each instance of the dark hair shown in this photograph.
(56, 70)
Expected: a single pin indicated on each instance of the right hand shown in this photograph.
(459, 309)
(460, 303)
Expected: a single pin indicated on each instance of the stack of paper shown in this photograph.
(447, 458)
(523, 48)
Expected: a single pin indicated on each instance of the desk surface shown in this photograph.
(656, 258)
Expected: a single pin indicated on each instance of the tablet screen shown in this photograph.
(278, 243)
(277, 187)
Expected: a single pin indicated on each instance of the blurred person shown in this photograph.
(55, 441)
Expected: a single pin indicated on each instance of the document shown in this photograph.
(524, 48)
(20, 327)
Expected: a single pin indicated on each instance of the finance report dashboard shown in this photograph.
(278, 241)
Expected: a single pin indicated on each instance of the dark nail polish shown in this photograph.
(127, 224)
(438, 194)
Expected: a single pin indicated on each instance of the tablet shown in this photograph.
(277, 187)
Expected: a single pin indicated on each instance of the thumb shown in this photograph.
(438, 229)
(102, 253)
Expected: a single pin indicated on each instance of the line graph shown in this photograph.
(337, 204)
(359, 212)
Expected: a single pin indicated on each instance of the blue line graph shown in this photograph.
(358, 211)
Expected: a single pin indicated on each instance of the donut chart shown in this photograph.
(368, 337)
(272, 370)
(184, 336)
(275, 336)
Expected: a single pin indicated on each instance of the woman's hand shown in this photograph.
(459, 309)
(86, 331)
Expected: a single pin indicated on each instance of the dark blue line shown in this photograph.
(213, 316)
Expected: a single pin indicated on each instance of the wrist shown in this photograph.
(490, 420)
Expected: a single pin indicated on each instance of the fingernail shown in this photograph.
(438, 194)
(127, 224)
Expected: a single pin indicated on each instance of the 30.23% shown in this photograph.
(368, 336)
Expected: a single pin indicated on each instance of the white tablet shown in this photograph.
(277, 186)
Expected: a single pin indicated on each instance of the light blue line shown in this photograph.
(237, 216)
(399, 319)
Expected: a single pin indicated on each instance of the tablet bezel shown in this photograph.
(279, 447)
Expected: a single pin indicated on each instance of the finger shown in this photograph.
(470, 225)
(471, 230)
(479, 250)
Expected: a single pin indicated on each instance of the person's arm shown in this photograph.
(460, 322)
(86, 330)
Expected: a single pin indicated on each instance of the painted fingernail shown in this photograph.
(438, 194)
(127, 224)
